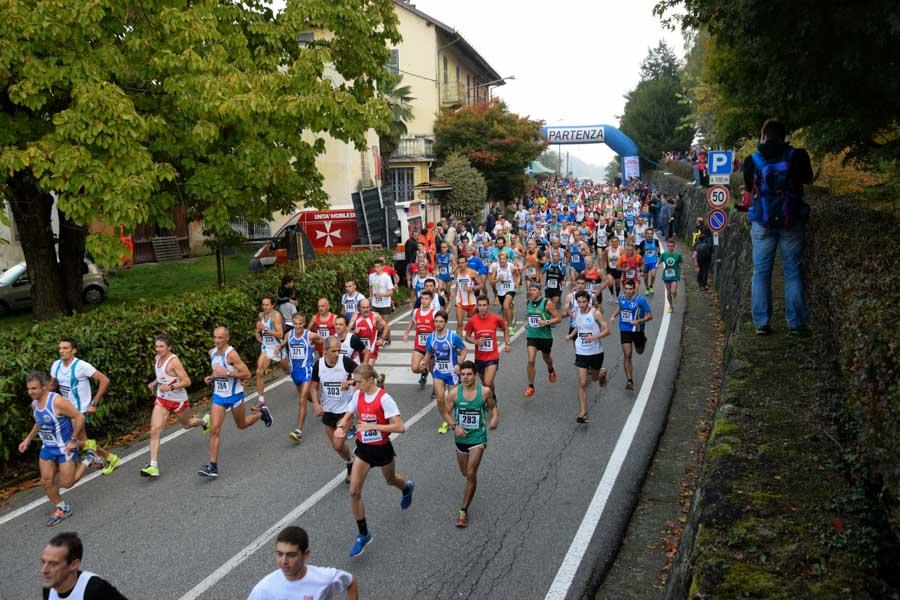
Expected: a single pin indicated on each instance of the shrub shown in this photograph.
(469, 187)
(119, 339)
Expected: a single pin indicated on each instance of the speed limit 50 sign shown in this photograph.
(718, 196)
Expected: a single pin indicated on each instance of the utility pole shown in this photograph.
(567, 164)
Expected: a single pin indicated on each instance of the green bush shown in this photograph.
(119, 339)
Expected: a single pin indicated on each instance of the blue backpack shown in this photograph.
(776, 203)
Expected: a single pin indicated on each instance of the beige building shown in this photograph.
(443, 71)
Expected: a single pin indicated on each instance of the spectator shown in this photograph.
(665, 220)
(62, 574)
(410, 251)
(774, 177)
(703, 254)
(679, 211)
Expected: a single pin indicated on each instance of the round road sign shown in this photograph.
(718, 196)
(717, 219)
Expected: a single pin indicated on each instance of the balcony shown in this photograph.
(453, 94)
(418, 148)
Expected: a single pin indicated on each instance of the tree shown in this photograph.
(827, 66)
(660, 63)
(613, 170)
(470, 189)
(119, 110)
(400, 102)
(551, 160)
(499, 143)
(655, 116)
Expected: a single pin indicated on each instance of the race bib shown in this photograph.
(268, 340)
(612, 262)
(631, 273)
(532, 271)
(463, 284)
(470, 420)
(350, 306)
(487, 345)
(505, 285)
(669, 273)
(222, 385)
(551, 284)
(65, 391)
(443, 366)
(371, 436)
(421, 338)
(46, 436)
(627, 316)
(443, 269)
(534, 321)
(332, 389)
(298, 352)
(324, 331)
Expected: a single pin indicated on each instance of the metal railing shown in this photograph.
(414, 148)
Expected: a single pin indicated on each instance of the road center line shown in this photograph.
(265, 537)
(559, 589)
(127, 459)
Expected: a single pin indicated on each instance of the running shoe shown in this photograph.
(670, 308)
(59, 515)
(111, 463)
(265, 415)
(210, 470)
(89, 446)
(513, 329)
(423, 379)
(386, 344)
(361, 542)
(650, 291)
(763, 330)
(629, 385)
(444, 428)
(406, 499)
(462, 519)
(602, 376)
(552, 377)
(296, 435)
(351, 433)
(582, 419)
(150, 471)
(205, 426)
(529, 392)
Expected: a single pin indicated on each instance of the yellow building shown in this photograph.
(443, 71)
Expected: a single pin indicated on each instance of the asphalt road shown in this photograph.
(540, 488)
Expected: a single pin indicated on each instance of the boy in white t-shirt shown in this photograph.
(296, 579)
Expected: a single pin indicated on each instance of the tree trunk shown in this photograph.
(71, 261)
(31, 210)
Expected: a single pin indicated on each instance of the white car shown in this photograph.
(15, 287)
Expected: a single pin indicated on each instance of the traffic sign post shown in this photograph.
(717, 219)
(718, 196)
(720, 166)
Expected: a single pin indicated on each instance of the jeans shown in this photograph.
(765, 242)
(703, 274)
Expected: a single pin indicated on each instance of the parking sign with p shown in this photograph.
(720, 162)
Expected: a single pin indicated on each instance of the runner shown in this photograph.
(481, 330)
(533, 265)
(590, 327)
(300, 354)
(322, 322)
(595, 280)
(468, 285)
(369, 326)
(71, 377)
(466, 416)
(613, 273)
(650, 251)
(422, 320)
(554, 276)
(541, 314)
(570, 306)
(269, 332)
(350, 300)
(59, 425)
(635, 311)
(577, 251)
(505, 278)
(298, 580)
(671, 271)
(381, 291)
(171, 383)
(351, 345)
(444, 260)
(63, 576)
(439, 301)
(228, 370)
(377, 417)
(444, 350)
(332, 377)
(631, 264)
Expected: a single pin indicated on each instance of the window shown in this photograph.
(306, 38)
(457, 74)
(394, 65)
(446, 76)
(469, 89)
(400, 181)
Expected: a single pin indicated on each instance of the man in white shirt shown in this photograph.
(381, 288)
(296, 579)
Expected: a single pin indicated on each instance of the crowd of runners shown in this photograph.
(585, 255)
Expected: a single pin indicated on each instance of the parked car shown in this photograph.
(15, 287)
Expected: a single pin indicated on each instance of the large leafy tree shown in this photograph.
(400, 101)
(656, 113)
(499, 143)
(118, 110)
(827, 66)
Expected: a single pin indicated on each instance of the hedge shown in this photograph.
(118, 340)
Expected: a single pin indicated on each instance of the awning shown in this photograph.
(536, 168)
(435, 185)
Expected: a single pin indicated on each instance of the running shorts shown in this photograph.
(447, 378)
(466, 307)
(482, 365)
(375, 455)
(617, 274)
(170, 405)
(271, 352)
(553, 293)
(330, 419)
(229, 402)
(542, 344)
(54, 454)
(650, 266)
(464, 448)
(383, 310)
(589, 361)
(301, 375)
(634, 337)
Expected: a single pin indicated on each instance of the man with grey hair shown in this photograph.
(59, 425)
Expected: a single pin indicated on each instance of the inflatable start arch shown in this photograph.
(620, 143)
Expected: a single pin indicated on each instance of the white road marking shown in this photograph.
(265, 537)
(127, 459)
(559, 589)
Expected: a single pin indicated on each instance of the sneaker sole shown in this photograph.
(148, 475)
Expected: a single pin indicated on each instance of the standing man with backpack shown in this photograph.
(774, 177)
